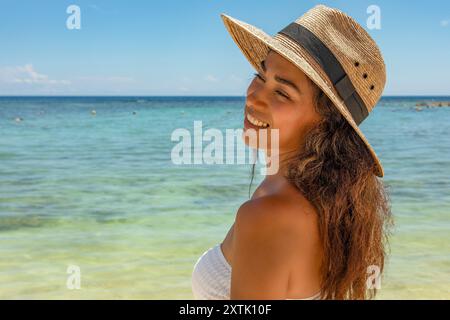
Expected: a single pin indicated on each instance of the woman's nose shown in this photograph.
(257, 98)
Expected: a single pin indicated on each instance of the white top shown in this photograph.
(211, 277)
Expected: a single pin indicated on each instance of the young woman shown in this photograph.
(317, 228)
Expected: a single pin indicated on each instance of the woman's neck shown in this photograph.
(277, 179)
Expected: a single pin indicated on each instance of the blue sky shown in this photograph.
(182, 47)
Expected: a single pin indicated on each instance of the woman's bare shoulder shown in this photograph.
(287, 205)
(267, 238)
(284, 211)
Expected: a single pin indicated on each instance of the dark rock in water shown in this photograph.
(430, 104)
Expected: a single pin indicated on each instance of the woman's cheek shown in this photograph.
(290, 130)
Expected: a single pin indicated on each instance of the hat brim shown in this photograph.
(255, 44)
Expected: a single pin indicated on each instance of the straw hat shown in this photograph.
(333, 50)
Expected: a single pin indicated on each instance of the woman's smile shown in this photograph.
(253, 122)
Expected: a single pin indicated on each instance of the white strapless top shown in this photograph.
(211, 277)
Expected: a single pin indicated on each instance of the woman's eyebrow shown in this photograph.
(281, 80)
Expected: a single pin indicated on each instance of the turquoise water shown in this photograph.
(100, 192)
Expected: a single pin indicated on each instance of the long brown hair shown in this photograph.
(335, 172)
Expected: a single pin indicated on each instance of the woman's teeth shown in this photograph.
(256, 122)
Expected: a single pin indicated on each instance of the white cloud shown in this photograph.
(444, 23)
(236, 79)
(186, 80)
(27, 75)
(211, 78)
(25, 79)
(184, 89)
(94, 6)
(112, 79)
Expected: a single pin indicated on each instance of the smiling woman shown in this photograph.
(315, 228)
(275, 98)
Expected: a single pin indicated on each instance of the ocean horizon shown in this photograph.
(98, 190)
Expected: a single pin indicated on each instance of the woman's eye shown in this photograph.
(258, 76)
(282, 94)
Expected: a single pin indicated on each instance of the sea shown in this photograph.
(92, 205)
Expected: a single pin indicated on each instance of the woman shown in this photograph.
(317, 228)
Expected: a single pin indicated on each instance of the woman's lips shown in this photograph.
(254, 121)
(248, 124)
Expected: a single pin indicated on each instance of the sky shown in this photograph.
(181, 47)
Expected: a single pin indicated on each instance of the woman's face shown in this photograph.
(281, 97)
